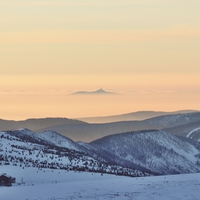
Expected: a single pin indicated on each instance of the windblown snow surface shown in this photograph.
(62, 185)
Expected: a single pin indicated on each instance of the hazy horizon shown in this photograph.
(146, 51)
(109, 116)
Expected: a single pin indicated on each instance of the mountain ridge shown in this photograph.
(132, 116)
(89, 132)
(36, 123)
(81, 131)
(96, 92)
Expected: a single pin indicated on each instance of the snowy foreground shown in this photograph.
(62, 185)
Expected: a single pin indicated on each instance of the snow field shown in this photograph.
(62, 185)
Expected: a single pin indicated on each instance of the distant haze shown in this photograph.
(145, 50)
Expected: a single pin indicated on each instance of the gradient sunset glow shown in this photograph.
(146, 51)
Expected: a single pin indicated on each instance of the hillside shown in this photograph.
(49, 150)
(133, 154)
(156, 151)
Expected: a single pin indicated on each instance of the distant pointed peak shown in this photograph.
(99, 91)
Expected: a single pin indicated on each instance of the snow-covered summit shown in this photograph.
(58, 140)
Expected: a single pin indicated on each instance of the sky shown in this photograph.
(146, 51)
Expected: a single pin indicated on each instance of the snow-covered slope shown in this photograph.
(132, 153)
(62, 185)
(59, 140)
(157, 151)
(50, 150)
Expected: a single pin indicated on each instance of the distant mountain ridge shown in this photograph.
(35, 124)
(139, 115)
(99, 92)
(82, 131)
(90, 132)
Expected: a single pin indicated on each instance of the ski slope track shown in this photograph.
(191, 132)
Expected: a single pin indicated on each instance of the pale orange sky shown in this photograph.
(147, 51)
